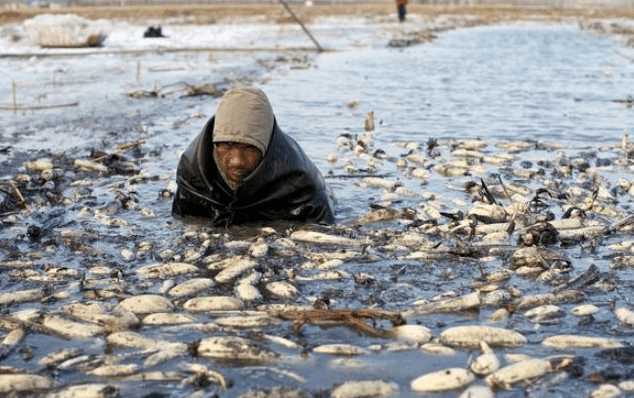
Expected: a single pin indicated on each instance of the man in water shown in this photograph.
(242, 168)
(401, 6)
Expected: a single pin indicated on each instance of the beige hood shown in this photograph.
(244, 115)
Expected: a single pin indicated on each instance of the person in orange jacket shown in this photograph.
(401, 6)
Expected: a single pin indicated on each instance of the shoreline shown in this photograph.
(206, 14)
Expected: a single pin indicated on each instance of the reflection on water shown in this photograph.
(527, 81)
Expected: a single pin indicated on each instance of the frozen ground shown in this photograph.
(246, 33)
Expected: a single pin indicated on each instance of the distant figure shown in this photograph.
(401, 5)
(153, 32)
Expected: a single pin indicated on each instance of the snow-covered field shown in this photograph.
(331, 32)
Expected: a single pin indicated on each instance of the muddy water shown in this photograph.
(537, 82)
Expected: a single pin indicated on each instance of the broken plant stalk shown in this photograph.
(351, 318)
(121, 149)
(18, 194)
(15, 101)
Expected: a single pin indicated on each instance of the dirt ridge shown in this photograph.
(205, 14)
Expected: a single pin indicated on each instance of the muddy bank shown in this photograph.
(622, 29)
(205, 14)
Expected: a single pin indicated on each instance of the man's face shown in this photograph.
(236, 161)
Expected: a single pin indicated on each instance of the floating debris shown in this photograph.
(340, 349)
(464, 303)
(544, 313)
(528, 369)
(191, 287)
(86, 391)
(16, 383)
(147, 304)
(246, 322)
(486, 363)
(350, 318)
(324, 239)
(443, 380)
(22, 296)
(57, 357)
(437, 349)
(115, 370)
(117, 319)
(477, 392)
(234, 348)
(365, 388)
(625, 315)
(70, 329)
(412, 333)
(472, 336)
(606, 391)
(282, 289)
(10, 341)
(163, 271)
(412, 38)
(168, 318)
(571, 341)
(237, 268)
(213, 303)
(585, 310)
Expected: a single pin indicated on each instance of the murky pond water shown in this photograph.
(534, 82)
(549, 86)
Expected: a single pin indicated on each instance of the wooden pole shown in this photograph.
(138, 71)
(310, 36)
(16, 108)
(15, 100)
(158, 51)
(625, 56)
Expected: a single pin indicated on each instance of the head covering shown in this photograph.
(244, 115)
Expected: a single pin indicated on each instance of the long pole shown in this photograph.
(15, 100)
(312, 38)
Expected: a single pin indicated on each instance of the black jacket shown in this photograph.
(286, 185)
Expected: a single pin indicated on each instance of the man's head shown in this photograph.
(242, 131)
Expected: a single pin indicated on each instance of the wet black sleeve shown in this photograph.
(317, 210)
(320, 215)
(186, 204)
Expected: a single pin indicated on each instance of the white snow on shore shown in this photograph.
(332, 32)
